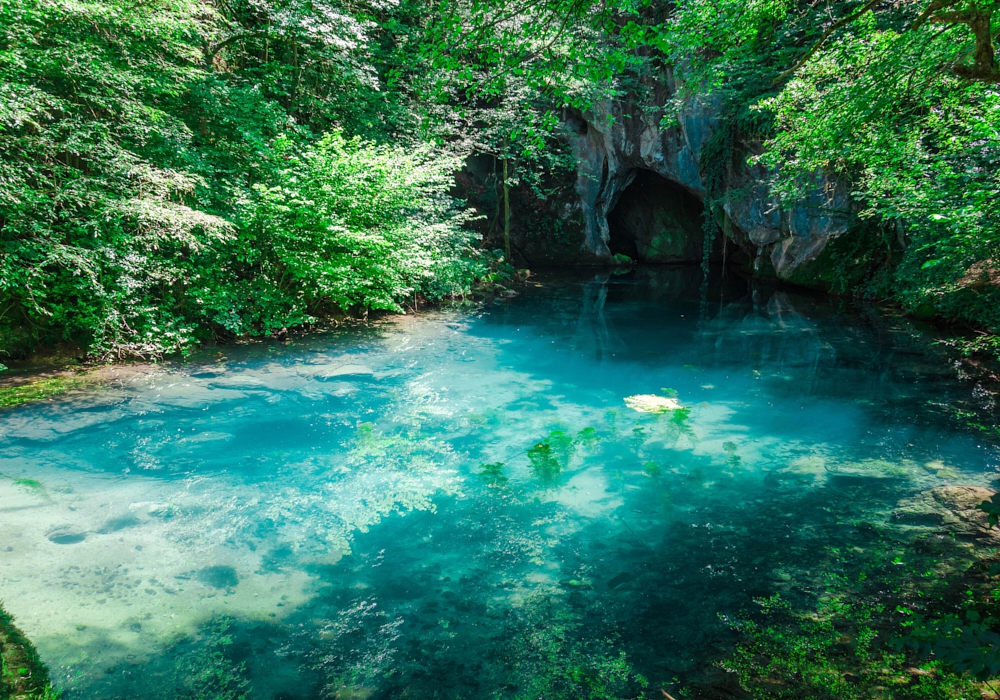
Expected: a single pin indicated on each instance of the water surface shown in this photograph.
(461, 504)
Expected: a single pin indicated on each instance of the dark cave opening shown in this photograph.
(656, 221)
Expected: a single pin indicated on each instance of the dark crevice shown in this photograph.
(656, 221)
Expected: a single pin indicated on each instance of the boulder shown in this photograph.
(949, 508)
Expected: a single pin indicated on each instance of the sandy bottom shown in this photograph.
(98, 569)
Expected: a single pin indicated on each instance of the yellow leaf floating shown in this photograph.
(651, 403)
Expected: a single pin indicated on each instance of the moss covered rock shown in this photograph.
(23, 676)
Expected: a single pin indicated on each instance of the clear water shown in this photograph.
(316, 520)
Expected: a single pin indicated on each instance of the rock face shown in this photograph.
(615, 141)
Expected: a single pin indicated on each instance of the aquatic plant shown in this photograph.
(680, 416)
(209, 673)
(827, 654)
(638, 437)
(550, 456)
(40, 389)
(545, 654)
(588, 437)
(352, 652)
(492, 475)
(732, 458)
(544, 464)
(23, 676)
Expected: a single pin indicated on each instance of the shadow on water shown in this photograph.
(464, 506)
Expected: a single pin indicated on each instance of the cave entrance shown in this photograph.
(656, 221)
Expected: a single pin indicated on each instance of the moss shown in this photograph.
(40, 389)
(22, 673)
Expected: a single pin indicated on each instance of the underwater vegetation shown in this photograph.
(546, 653)
(492, 475)
(549, 457)
(39, 389)
(32, 486)
(908, 616)
(210, 674)
(22, 674)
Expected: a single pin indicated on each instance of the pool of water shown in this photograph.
(462, 504)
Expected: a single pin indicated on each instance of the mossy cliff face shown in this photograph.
(546, 222)
(23, 676)
(616, 140)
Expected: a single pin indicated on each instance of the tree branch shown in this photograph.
(212, 51)
(826, 35)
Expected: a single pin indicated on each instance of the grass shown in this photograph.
(22, 673)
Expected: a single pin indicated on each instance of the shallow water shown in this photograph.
(461, 504)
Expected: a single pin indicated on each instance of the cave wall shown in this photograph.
(656, 221)
(615, 138)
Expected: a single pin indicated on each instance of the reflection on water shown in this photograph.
(462, 505)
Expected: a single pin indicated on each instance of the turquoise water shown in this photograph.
(462, 504)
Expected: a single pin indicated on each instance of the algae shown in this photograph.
(40, 389)
(652, 469)
(32, 486)
(210, 673)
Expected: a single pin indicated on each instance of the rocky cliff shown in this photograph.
(616, 142)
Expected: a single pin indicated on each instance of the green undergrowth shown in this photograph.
(23, 676)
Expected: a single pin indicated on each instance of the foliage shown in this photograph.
(355, 224)
(22, 673)
(921, 156)
(992, 509)
(895, 101)
(967, 645)
(145, 150)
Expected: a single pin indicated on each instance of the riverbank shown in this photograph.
(23, 676)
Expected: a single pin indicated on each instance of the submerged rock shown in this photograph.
(950, 508)
(651, 403)
(874, 469)
(218, 576)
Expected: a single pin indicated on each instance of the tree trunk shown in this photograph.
(506, 212)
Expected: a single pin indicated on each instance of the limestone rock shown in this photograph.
(615, 140)
(949, 508)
